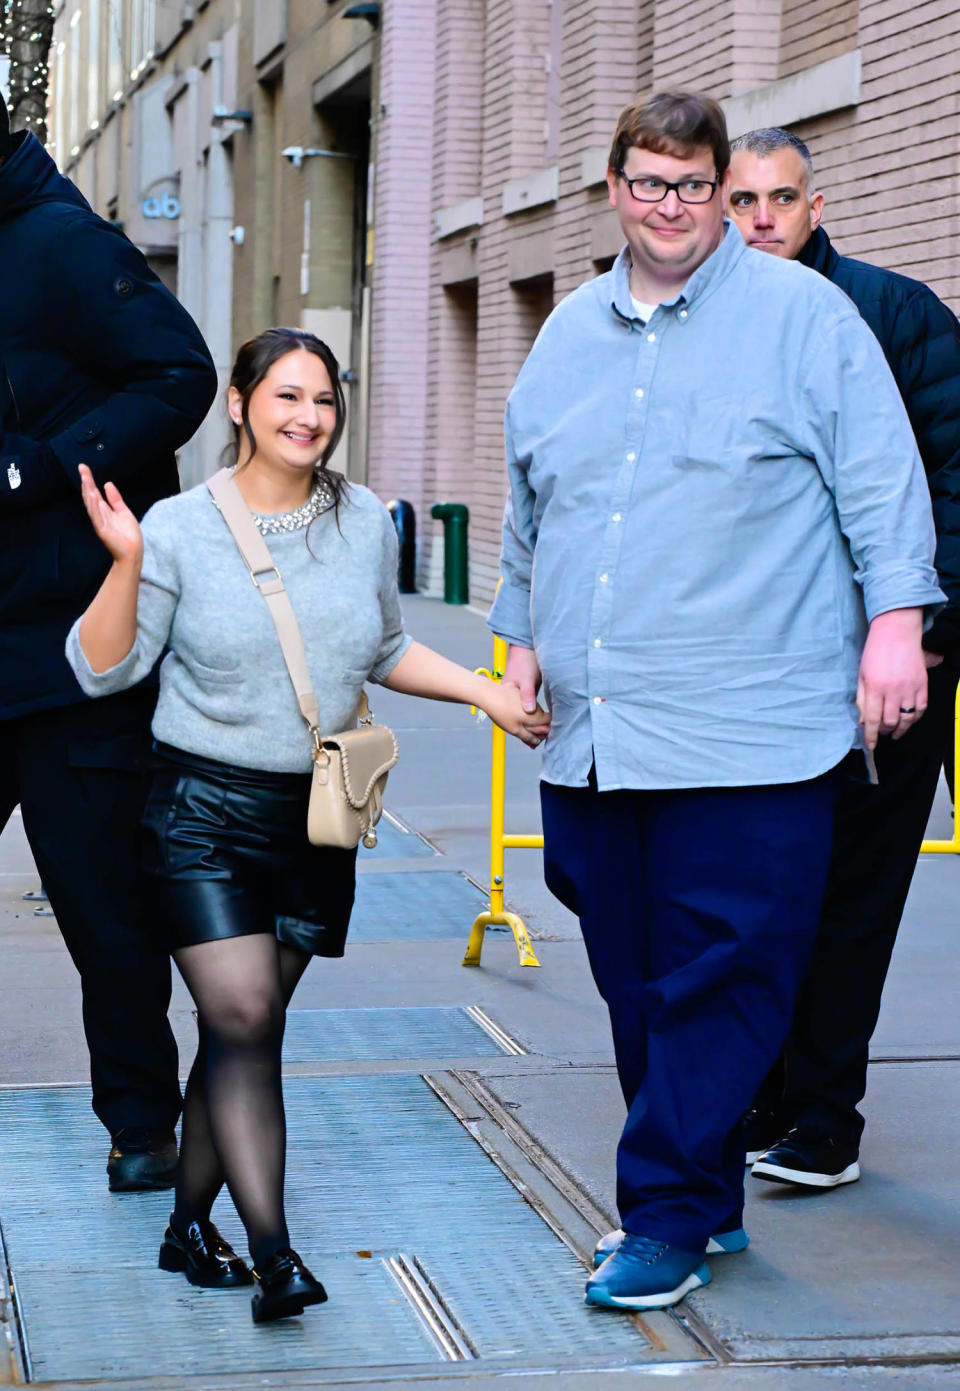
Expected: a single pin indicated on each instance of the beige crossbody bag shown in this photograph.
(350, 768)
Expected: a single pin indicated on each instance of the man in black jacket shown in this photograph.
(99, 364)
(805, 1127)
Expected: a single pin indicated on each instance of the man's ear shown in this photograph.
(613, 178)
(816, 211)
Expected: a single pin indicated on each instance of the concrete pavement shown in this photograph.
(859, 1283)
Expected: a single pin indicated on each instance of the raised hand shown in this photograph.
(112, 519)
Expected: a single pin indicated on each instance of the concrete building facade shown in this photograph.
(461, 192)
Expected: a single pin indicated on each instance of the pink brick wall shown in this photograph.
(401, 268)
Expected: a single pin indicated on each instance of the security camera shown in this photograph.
(296, 154)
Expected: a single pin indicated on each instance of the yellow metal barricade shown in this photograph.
(500, 842)
(952, 846)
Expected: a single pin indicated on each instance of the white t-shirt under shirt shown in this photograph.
(644, 310)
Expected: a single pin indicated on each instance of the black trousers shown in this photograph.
(822, 1075)
(80, 776)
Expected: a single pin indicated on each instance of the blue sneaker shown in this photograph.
(722, 1244)
(644, 1273)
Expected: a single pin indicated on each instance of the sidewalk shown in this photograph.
(408, 1075)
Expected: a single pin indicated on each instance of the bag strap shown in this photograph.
(269, 582)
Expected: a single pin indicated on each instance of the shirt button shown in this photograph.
(617, 517)
(598, 700)
(651, 337)
(639, 393)
(598, 642)
(604, 578)
(630, 457)
(683, 313)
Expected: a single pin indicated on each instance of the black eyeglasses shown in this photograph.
(647, 189)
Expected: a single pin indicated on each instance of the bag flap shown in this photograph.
(366, 754)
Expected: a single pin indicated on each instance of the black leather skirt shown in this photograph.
(226, 854)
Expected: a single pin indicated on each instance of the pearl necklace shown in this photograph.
(275, 523)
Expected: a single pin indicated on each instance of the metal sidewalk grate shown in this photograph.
(377, 1166)
(414, 907)
(348, 1035)
(395, 841)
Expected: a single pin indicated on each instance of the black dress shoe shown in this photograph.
(204, 1257)
(142, 1159)
(284, 1287)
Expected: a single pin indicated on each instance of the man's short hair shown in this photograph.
(769, 139)
(672, 123)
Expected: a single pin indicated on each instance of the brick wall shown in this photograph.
(889, 168)
(813, 30)
(401, 267)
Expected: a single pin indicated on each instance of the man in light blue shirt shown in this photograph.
(717, 554)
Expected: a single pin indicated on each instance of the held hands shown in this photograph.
(517, 694)
(112, 520)
(892, 689)
(505, 706)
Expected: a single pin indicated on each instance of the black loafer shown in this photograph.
(141, 1160)
(204, 1257)
(284, 1288)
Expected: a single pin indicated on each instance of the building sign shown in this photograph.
(164, 205)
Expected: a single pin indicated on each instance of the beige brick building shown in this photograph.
(472, 197)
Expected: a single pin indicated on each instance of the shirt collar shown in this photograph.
(702, 282)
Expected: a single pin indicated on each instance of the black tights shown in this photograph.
(234, 1129)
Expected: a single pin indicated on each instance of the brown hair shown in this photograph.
(254, 360)
(671, 123)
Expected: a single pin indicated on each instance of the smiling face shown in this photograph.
(670, 239)
(292, 413)
(770, 203)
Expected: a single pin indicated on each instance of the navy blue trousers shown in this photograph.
(698, 908)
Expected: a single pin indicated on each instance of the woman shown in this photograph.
(242, 897)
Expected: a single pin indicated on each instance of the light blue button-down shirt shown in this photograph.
(704, 512)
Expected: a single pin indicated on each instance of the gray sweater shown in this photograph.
(224, 688)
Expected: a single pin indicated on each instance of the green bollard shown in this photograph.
(454, 515)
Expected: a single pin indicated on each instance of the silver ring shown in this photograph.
(908, 709)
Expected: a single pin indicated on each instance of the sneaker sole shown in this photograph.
(735, 1244)
(601, 1300)
(778, 1173)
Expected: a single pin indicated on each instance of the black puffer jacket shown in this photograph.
(920, 338)
(99, 364)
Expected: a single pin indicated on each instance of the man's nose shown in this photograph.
(762, 214)
(671, 206)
